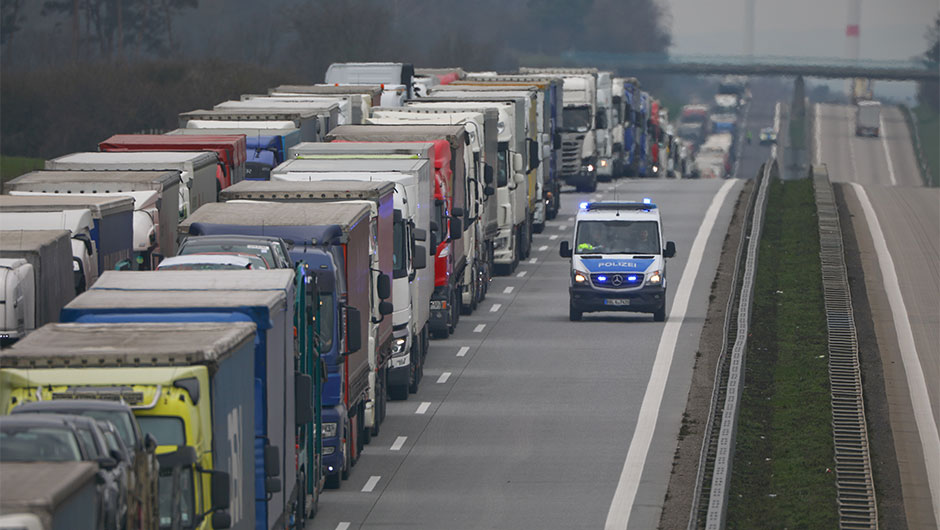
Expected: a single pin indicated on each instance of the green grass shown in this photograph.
(14, 166)
(928, 126)
(784, 444)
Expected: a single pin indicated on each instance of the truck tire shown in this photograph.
(417, 366)
(574, 313)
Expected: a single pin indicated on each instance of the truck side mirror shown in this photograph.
(517, 162)
(384, 286)
(221, 490)
(89, 247)
(150, 443)
(353, 330)
(488, 191)
(303, 399)
(519, 179)
(221, 520)
(420, 259)
(456, 212)
(386, 308)
(272, 461)
(272, 485)
(565, 250)
(456, 228)
(534, 158)
(670, 249)
(556, 141)
(420, 234)
(487, 174)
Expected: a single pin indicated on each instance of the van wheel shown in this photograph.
(660, 314)
(574, 314)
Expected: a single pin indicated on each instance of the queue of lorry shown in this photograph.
(202, 329)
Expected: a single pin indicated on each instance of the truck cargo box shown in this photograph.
(50, 254)
(49, 495)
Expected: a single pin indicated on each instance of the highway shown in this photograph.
(525, 419)
(897, 224)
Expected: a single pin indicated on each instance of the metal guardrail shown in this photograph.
(918, 146)
(854, 484)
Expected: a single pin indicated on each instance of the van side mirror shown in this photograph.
(456, 228)
(534, 158)
(272, 461)
(670, 249)
(303, 399)
(384, 286)
(565, 250)
(353, 330)
(420, 259)
(420, 234)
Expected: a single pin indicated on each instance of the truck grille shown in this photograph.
(571, 154)
(617, 280)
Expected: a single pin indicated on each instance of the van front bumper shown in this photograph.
(643, 300)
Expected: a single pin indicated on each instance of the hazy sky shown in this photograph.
(890, 29)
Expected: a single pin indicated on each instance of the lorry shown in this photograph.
(482, 223)
(319, 181)
(413, 280)
(450, 207)
(327, 113)
(349, 106)
(306, 121)
(267, 142)
(231, 150)
(617, 259)
(868, 118)
(396, 79)
(632, 123)
(49, 495)
(155, 196)
(79, 225)
(36, 268)
(369, 95)
(112, 230)
(266, 298)
(196, 171)
(693, 123)
(579, 143)
(184, 382)
(332, 242)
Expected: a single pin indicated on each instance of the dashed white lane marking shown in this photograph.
(508, 290)
(521, 274)
(423, 407)
(495, 308)
(444, 377)
(920, 399)
(371, 483)
(463, 351)
(562, 227)
(570, 218)
(553, 237)
(622, 504)
(343, 526)
(399, 442)
(884, 143)
(534, 260)
(543, 248)
(479, 328)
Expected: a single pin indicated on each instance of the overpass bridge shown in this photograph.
(822, 67)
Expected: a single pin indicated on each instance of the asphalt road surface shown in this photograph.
(527, 420)
(897, 223)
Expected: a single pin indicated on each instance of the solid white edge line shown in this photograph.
(479, 328)
(423, 407)
(621, 506)
(399, 442)
(920, 399)
(884, 143)
(371, 483)
(817, 129)
(495, 308)
(444, 377)
(343, 526)
(463, 351)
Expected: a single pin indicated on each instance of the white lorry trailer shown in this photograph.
(868, 118)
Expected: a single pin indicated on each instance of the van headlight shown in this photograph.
(580, 277)
(329, 429)
(655, 278)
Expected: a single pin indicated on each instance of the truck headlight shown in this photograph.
(329, 430)
(580, 277)
(589, 168)
(655, 278)
(398, 346)
(437, 305)
(328, 450)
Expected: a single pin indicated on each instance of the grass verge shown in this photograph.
(14, 166)
(782, 472)
(928, 127)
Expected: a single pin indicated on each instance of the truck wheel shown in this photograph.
(660, 314)
(574, 314)
(592, 187)
(417, 365)
(538, 227)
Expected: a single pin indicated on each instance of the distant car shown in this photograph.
(200, 262)
(767, 136)
(273, 250)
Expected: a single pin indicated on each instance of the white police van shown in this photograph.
(618, 259)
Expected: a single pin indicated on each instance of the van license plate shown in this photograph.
(617, 301)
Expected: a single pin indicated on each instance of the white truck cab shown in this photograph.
(618, 259)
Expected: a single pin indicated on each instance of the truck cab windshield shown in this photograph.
(502, 166)
(617, 237)
(326, 321)
(172, 506)
(400, 252)
(167, 430)
(577, 119)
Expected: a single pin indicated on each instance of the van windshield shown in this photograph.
(617, 237)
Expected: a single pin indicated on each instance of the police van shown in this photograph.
(618, 259)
